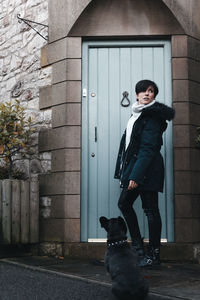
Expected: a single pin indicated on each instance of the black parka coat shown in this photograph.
(142, 160)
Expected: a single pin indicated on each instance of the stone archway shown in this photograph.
(125, 18)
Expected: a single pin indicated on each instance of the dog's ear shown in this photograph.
(104, 222)
(123, 224)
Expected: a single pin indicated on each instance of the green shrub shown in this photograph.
(15, 135)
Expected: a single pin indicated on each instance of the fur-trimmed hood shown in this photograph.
(160, 111)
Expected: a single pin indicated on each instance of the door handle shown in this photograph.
(125, 98)
(95, 134)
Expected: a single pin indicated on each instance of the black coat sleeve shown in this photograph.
(150, 144)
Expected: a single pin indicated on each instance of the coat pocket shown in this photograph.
(128, 167)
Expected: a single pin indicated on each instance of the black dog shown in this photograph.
(122, 262)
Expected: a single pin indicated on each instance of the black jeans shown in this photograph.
(150, 206)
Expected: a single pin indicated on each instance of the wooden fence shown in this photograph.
(19, 211)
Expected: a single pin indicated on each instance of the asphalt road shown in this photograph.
(18, 283)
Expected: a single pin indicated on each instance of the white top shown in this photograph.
(136, 112)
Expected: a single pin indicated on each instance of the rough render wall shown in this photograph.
(21, 74)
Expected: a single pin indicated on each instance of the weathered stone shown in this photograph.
(17, 90)
(45, 201)
(20, 72)
(53, 249)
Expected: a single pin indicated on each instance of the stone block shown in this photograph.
(195, 182)
(85, 250)
(182, 113)
(195, 159)
(195, 206)
(65, 206)
(58, 138)
(184, 136)
(194, 48)
(181, 90)
(183, 184)
(45, 94)
(59, 71)
(66, 114)
(186, 159)
(68, 91)
(178, 252)
(194, 114)
(183, 206)
(52, 230)
(194, 70)
(68, 69)
(74, 69)
(44, 60)
(195, 229)
(62, 183)
(69, 47)
(181, 136)
(184, 230)
(179, 46)
(182, 159)
(194, 91)
(60, 230)
(66, 160)
(72, 230)
(187, 182)
(180, 68)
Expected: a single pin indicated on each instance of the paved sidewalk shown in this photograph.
(170, 281)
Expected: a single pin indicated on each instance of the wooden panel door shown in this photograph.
(109, 69)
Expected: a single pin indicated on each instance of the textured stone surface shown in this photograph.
(21, 75)
(66, 114)
(60, 230)
(61, 137)
(61, 49)
(60, 183)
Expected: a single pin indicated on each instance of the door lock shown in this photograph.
(93, 155)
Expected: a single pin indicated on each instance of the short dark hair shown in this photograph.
(143, 85)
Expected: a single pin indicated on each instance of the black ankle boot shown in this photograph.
(152, 258)
(138, 246)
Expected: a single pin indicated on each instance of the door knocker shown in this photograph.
(125, 98)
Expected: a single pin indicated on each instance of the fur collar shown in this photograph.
(160, 111)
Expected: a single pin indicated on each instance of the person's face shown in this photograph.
(146, 97)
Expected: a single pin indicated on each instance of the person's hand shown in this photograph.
(132, 185)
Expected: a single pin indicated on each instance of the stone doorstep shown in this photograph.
(169, 251)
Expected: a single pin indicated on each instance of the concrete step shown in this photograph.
(169, 251)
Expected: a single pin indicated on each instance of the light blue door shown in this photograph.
(109, 69)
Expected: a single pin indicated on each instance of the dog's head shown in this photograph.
(115, 227)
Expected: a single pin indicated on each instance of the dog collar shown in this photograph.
(116, 243)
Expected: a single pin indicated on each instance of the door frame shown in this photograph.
(169, 178)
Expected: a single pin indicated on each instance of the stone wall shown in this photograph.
(20, 73)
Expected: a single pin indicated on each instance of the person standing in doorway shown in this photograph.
(140, 168)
